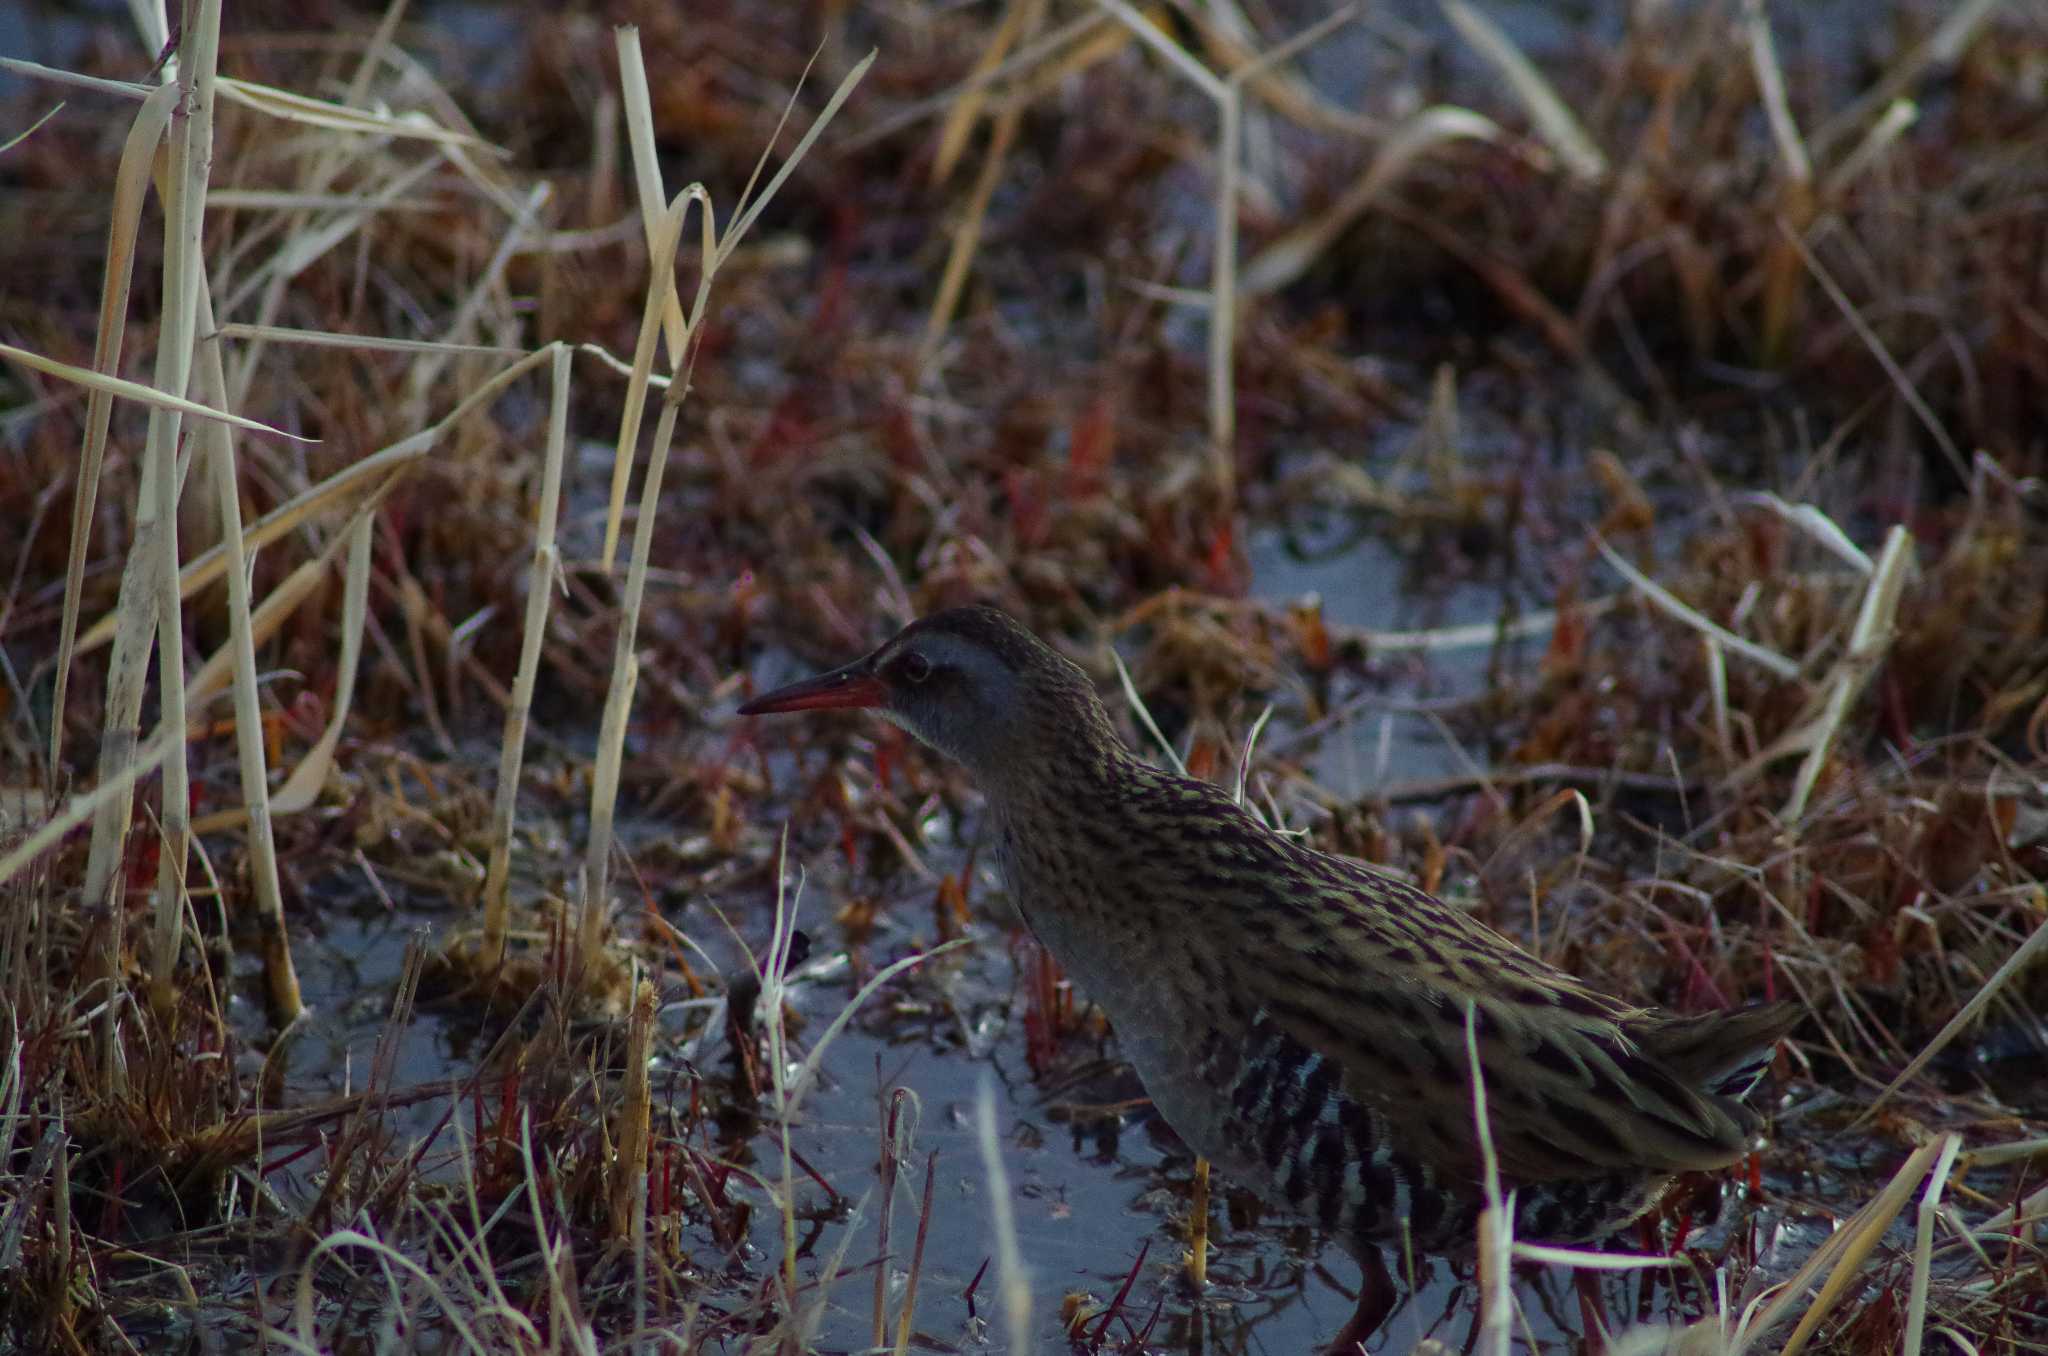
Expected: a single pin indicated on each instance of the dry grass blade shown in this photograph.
(374, 475)
(1669, 603)
(121, 388)
(1290, 256)
(1816, 524)
(1939, 51)
(1842, 1257)
(1770, 80)
(1923, 1245)
(131, 179)
(967, 233)
(2023, 956)
(540, 587)
(638, 107)
(84, 805)
(302, 788)
(119, 89)
(1020, 19)
(367, 343)
(1908, 392)
(1885, 133)
(332, 117)
(1557, 124)
(1875, 622)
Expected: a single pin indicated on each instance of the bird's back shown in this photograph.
(1304, 1020)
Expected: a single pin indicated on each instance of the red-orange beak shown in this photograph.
(851, 686)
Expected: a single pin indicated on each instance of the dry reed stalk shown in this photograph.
(286, 1003)
(540, 587)
(191, 156)
(714, 250)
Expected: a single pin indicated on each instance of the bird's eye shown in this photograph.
(915, 667)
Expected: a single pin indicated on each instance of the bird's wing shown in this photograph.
(1380, 976)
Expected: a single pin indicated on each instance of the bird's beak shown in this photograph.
(851, 686)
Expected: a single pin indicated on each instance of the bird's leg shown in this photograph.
(1198, 1229)
(1376, 1296)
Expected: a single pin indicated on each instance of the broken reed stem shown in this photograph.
(627, 1197)
(540, 587)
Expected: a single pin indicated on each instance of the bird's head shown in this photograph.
(971, 683)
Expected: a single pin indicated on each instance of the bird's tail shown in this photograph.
(1723, 1054)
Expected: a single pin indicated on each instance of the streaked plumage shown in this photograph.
(1299, 1018)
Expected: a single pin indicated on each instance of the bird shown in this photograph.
(1306, 1023)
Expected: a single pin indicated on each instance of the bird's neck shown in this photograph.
(1075, 762)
